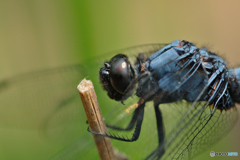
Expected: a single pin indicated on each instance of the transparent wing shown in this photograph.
(198, 131)
(203, 132)
(82, 148)
(48, 102)
(41, 100)
(132, 52)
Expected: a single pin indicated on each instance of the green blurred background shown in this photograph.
(41, 34)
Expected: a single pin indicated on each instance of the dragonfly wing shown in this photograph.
(43, 101)
(82, 148)
(198, 131)
(48, 101)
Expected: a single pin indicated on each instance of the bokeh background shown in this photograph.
(42, 34)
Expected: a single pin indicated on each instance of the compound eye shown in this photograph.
(120, 75)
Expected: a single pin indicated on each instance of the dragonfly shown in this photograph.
(177, 72)
(192, 91)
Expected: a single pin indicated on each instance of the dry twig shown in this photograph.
(95, 120)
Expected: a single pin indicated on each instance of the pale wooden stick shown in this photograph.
(95, 119)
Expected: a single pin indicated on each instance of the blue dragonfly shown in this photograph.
(180, 98)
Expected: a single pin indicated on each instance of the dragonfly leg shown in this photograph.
(130, 125)
(160, 125)
(160, 150)
(136, 131)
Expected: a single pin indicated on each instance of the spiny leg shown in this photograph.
(137, 130)
(130, 125)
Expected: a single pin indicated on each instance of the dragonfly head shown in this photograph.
(116, 75)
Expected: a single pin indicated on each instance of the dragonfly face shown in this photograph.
(116, 76)
(177, 72)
